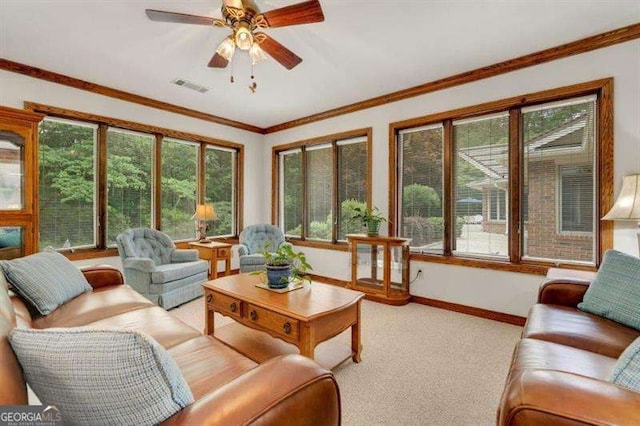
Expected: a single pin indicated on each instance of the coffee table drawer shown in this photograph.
(277, 323)
(226, 304)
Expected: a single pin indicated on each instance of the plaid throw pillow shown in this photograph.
(626, 372)
(615, 293)
(101, 377)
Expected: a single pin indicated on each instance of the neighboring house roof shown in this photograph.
(493, 160)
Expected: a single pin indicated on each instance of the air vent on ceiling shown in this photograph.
(190, 85)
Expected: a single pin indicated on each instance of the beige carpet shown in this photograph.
(420, 365)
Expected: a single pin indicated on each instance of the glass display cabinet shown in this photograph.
(18, 182)
(380, 268)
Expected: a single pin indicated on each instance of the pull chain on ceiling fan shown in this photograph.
(243, 17)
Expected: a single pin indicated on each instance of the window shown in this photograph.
(421, 188)
(129, 181)
(100, 176)
(291, 193)
(11, 171)
(352, 184)
(524, 193)
(179, 188)
(320, 182)
(497, 205)
(559, 158)
(319, 192)
(481, 173)
(576, 199)
(67, 184)
(220, 188)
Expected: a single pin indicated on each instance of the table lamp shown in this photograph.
(204, 213)
(627, 206)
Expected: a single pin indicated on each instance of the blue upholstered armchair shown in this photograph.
(253, 240)
(157, 270)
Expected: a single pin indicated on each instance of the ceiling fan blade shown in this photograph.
(218, 61)
(178, 18)
(301, 13)
(287, 58)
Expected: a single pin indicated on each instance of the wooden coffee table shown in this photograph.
(268, 324)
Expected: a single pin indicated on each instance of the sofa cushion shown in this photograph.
(538, 354)
(166, 329)
(615, 293)
(572, 327)
(101, 376)
(101, 303)
(176, 271)
(626, 372)
(46, 280)
(207, 364)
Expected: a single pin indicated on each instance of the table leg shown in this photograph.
(208, 321)
(227, 265)
(356, 346)
(307, 346)
(214, 266)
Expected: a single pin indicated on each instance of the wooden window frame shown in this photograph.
(104, 123)
(332, 139)
(603, 88)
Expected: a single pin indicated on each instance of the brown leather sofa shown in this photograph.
(229, 389)
(560, 369)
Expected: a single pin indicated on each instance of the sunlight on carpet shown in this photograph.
(420, 365)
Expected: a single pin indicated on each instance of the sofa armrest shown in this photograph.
(564, 292)
(179, 256)
(242, 250)
(552, 397)
(286, 390)
(141, 264)
(103, 276)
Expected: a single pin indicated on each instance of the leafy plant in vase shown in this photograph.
(371, 218)
(283, 265)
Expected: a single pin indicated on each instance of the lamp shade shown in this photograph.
(205, 212)
(627, 206)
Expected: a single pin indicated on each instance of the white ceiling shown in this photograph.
(364, 48)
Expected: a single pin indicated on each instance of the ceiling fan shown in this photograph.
(243, 17)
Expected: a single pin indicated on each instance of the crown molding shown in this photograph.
(577, 47)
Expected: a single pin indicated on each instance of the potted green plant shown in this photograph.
(284, 264)
(371, 218)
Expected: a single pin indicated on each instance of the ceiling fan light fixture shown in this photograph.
(257, 54)
(226, 48)
(243, 38)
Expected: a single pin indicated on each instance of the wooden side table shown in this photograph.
(213, 252)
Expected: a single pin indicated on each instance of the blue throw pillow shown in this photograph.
(615, 293)
(626, 372)
(46, 280)
(101, 377)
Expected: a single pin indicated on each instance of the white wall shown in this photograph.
(495, 290)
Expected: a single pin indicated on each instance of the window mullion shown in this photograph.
(101, 208)
(334, 192)
(305, 199)
(515, 177)
(448, 190)
(157, 179)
